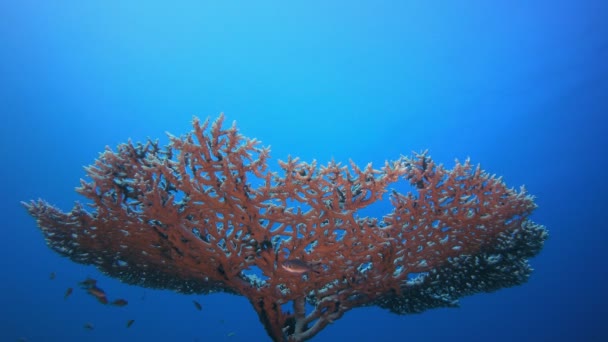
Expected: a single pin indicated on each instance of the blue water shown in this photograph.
(519, 86)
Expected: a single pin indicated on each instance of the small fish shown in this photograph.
(119, 302)
(230, 334)
(130, 323)
(296, 266)
(68, 292)
(88, 283)
(96, 291)
(89, 326)
(103, 300)
(99, 294)
(52, 275)
(198, 305)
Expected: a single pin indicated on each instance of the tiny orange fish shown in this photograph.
(68, 292)
(198, 305)
(130, 323)
(99, 294)
(96, 291)
(296, 266)
(119, 302)
(102, 299)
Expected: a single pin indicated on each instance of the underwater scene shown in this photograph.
(294, 171)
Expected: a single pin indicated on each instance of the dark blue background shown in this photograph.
(519, 86)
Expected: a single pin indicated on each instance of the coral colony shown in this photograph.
(204, 214)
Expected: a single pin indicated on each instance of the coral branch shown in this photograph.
(204, 214)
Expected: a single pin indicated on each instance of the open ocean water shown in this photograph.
(520, 87)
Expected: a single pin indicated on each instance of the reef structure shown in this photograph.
(204, 214)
